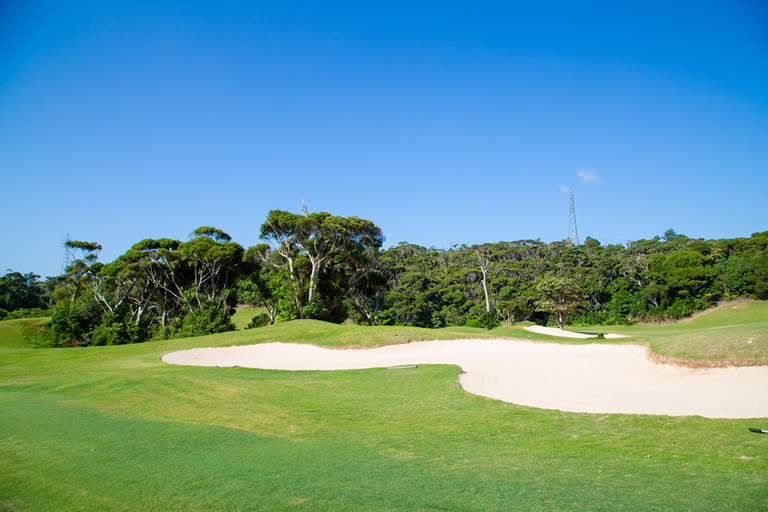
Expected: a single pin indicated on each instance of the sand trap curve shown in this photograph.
(584, 378)
(551, 331)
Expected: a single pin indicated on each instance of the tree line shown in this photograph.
(333, 268)
(24, 295)
(166, 288)
(664, 278)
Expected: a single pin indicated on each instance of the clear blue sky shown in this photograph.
(442, 122)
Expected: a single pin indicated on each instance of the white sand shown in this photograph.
(567, 334)
(584, 378)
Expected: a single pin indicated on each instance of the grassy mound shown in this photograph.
(738, 346)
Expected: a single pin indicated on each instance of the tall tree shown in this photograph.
(281, 229)
(484, 261)
(559, 296)
(320, 246)
(82, 256)
(366, 296)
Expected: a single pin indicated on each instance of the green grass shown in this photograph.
(19, 333)
(731, 334)
(243, 317)
(732, 346)
(113, 428)
(731, 315)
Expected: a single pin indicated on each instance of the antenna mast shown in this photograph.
(573, 229)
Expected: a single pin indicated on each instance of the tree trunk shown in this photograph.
(484, 261)
(313, 279)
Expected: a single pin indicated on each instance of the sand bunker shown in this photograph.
(584, 378)
(551, 331)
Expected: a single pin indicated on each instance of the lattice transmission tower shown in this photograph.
(573, 229)
(68, 256)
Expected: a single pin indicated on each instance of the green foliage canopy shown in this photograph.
(558, 296)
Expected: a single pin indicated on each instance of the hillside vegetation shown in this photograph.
(331, 268)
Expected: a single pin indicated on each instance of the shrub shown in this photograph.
(116, 331)
(260, 320)
(24, 313)
(205, 321)
(489, 320)
(72, 323)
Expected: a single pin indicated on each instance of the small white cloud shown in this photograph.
(587, 175)
(564, 189)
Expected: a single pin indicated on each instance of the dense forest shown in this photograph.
(24, 294)
(321, 266)
(665, 278)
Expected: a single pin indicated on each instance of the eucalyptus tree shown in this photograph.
(159, 262)
(75, 313)
(114, 285)
(260, 286)
(484, 262)
(319, 235)
(280, 228)
(181, 288)
(81, 255)
(214, 263)
(191, 276)
(367, 295)
(315, 247)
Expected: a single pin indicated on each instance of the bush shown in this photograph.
(24, 313)
(165, 332)
(115, 331)
(260, 320)
(489, 320)
(199, 323)
(205, 321)
(683, 308)
(72, 323)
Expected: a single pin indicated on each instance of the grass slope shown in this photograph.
(243, 317)
(735, 333)
(113, 428)
(19, 333)
(737, 314)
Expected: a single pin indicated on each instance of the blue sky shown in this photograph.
(442, 122)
